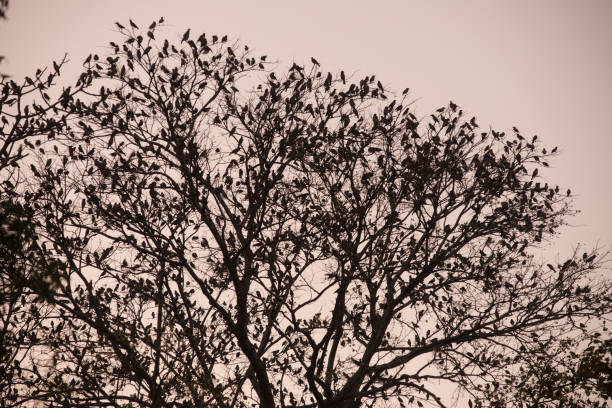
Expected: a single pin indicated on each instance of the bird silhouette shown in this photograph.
(328, 81)
(186, 35)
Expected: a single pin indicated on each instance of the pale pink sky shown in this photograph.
(543, 66)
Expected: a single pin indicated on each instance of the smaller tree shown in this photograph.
(572, 372)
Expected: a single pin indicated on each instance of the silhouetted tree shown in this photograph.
(232, 236)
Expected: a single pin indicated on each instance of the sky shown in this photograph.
(543, 66)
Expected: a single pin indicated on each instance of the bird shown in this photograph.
(186, 35)
(314, 61)
(328, 81)
(133, 24)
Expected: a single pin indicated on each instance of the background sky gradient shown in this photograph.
(542, 66)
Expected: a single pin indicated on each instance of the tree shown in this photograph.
(234, 236)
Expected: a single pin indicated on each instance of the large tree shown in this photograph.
(230, 235)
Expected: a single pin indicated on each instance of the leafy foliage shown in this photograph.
(233, 236)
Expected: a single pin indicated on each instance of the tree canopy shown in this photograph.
(219, 232)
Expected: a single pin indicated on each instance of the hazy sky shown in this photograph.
(543, 66)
